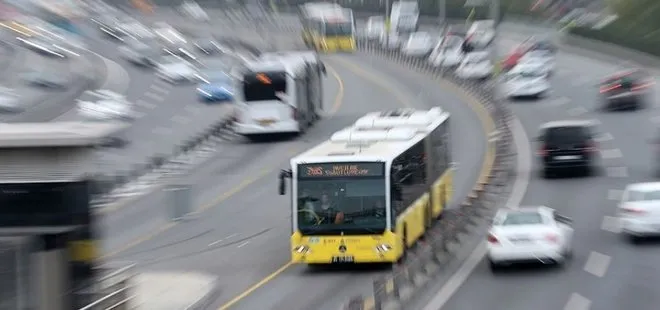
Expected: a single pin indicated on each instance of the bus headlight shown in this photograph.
(302, 249)
(382, 248)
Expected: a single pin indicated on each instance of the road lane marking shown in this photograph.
(614, 194)
(243, 244)
(159, 89)
(611, 154)
(617, 172)
(577, 111)
(339, 100)
(161, 131)
(597, 264)
(558, 102)
(145, 104)
(180, 119)
(154, 96)
(223, 239)
(611, 224)
(604, 137)
(577, 302)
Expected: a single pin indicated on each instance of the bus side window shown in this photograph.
(409, 173)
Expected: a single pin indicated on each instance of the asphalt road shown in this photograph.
(606, 272)
(167, 114)
(242, 235)
(40, 104)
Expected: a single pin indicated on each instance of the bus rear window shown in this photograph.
(264, 86)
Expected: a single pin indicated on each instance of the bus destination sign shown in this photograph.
(330, 170)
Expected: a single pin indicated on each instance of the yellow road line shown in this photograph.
(339, 98)
(487, 123)
(482, 113)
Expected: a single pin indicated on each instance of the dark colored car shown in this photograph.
(567, 146)
(626, 90)
(543, 45)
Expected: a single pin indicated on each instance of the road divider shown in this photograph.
(446, 241)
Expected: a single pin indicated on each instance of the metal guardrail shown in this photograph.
(112, 291)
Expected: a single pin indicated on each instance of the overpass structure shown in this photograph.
(48, 234)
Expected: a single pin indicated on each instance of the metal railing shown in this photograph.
(112, 291)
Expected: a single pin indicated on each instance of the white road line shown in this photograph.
(524, 168)
(577, 302)
(617, 172)
(604, 137)
(596, 122)
(193, 109)
(611, 224)
(145, 104)
(558, 101)
(614, 194)
(159, 89)
(243, 244)
(161, 131)
(611, 153)
(577, 111)
(154, 96)
(180, 119)
(597, 264)
(223, 239)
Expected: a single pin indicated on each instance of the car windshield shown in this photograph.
(634, 196)
(334, 205)
(522, 218)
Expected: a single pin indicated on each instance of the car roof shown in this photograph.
(525, 209)
(644, 187)
(568, 123)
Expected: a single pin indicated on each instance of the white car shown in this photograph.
(540, 60)
(481, 33)
(139, 53)
(418, 44)
(639, 210)
(176, 70)
(10, 100)
(105, 105)
(375, 27)
(475, 65)
(194, 11)
(448, 52)
(529, 234)
(391, 41)
(520, 82)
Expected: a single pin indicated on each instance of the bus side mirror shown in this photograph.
(323, 69)
(284, 174)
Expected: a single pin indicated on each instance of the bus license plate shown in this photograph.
(342, 259)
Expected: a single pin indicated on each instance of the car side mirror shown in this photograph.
(563, 219)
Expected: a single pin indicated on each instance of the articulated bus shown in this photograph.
(372, 190)
(328, 27)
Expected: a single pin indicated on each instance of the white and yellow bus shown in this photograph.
(328, 27)
(371, 190)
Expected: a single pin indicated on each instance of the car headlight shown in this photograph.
(382, 248)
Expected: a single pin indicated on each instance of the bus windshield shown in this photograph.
(264, 86)
(338, 29)
(348, 204)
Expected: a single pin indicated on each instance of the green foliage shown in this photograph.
(638, 26)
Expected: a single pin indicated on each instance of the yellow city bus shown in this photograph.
(328, 27)
(372, 190)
